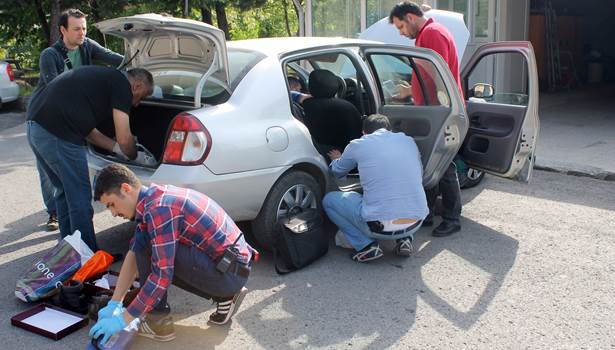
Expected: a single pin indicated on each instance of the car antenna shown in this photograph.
(121, 66)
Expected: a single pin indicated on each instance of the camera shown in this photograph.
(227, 259)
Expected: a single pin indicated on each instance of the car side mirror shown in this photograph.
(482, 90)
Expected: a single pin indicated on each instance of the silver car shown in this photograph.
(9, 90)
(222, 120)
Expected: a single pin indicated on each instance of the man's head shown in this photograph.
(73, 28)
(408, 18)
(294, 83)
(375, 122)
(141, 84)
(118, 189)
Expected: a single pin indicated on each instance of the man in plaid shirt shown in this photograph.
(181, 235)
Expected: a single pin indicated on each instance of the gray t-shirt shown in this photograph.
(391, 175)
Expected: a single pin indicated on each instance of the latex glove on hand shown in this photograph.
(108, 310)
(118, 151)
(144, 156)
(107, 327)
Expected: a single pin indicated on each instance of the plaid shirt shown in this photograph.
(170, 215)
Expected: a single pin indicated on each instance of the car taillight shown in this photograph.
(188, 141)
(9, 72)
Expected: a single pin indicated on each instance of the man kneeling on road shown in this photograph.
(393, 199)
(182, 237)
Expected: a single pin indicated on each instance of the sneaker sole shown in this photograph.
(369, 259)
(159, 338)
(234, 307)
(404, 252)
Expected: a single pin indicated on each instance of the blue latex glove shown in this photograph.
(107, 311)
(108, 327)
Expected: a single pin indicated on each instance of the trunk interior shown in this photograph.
(149, 123)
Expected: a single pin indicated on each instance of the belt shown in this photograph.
(240, 269)
(399, 232)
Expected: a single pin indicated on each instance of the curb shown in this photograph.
(575, 170)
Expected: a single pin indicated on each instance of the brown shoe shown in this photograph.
(52, 223)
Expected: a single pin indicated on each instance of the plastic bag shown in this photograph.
(96, 265)
(56, 267)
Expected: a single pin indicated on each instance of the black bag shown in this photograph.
(300, 240)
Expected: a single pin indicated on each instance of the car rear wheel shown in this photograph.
(293, 193)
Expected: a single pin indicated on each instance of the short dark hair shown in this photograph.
(111, 178)
(375, 122)
(69, 13)
(400, 10)
(142, 75)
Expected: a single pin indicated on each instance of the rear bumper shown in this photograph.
(240, 194)
(9, 93)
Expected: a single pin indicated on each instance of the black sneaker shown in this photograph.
(226, 309)
(369, 253)
(159, 329)
(52, 223)
(446, 228)
(404, 247)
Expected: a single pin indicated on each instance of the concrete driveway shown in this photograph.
(532, 268)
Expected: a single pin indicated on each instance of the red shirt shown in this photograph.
(435, 36)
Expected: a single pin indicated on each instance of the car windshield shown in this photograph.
(181, 84)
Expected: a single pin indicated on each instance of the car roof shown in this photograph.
(279, 46)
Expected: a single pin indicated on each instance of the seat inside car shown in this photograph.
(333, 122)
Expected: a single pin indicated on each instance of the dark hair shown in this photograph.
(375, 122)
(111, 178)
(69, 13)
(142, 75)
(403, 8)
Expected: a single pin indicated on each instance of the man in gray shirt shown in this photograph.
(393, 201)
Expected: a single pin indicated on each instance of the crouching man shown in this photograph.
(393, 201)
(182, 237)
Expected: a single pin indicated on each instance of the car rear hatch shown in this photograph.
(162, 44)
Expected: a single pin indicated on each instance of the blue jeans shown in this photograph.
(194, 271)
(47, 190)
(66, 166)
(344, 209)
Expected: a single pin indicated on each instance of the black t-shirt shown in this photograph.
(77, 101)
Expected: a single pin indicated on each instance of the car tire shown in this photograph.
(281, 201)
(470, 177)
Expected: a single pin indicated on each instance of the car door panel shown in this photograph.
(503, 128)
(439, 127)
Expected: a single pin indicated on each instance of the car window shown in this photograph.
(405, 80)
(509, 85)
(181, 84)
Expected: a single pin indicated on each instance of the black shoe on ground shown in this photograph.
(404, 247)
(446, 228)
(157, 328)
(369, 253)
(226, 309)
(52, 223)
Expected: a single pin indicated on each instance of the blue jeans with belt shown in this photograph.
(66, 166)
(194, 271)
(344, 209)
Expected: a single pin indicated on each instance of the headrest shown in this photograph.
(323, 83)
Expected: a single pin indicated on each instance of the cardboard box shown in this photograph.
(50, 321)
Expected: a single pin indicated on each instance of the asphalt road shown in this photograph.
(532, 268)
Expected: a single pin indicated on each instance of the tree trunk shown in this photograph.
(285, 4)
(186, 8)
(100, 38)
(206, 15)
(222, 21)
(300, 16)
(42, 19)
(54, 20)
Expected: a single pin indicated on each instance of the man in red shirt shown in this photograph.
(182, 237)
(409, 20)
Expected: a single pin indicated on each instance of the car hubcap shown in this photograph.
(474, 174)
(295, 200)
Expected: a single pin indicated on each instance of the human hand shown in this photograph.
(334, 154)
(404, 90)
(118, 151)
(107, 327)
(107, 311)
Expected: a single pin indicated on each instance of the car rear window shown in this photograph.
(180, 85)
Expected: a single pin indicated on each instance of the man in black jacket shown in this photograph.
(73, 49)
